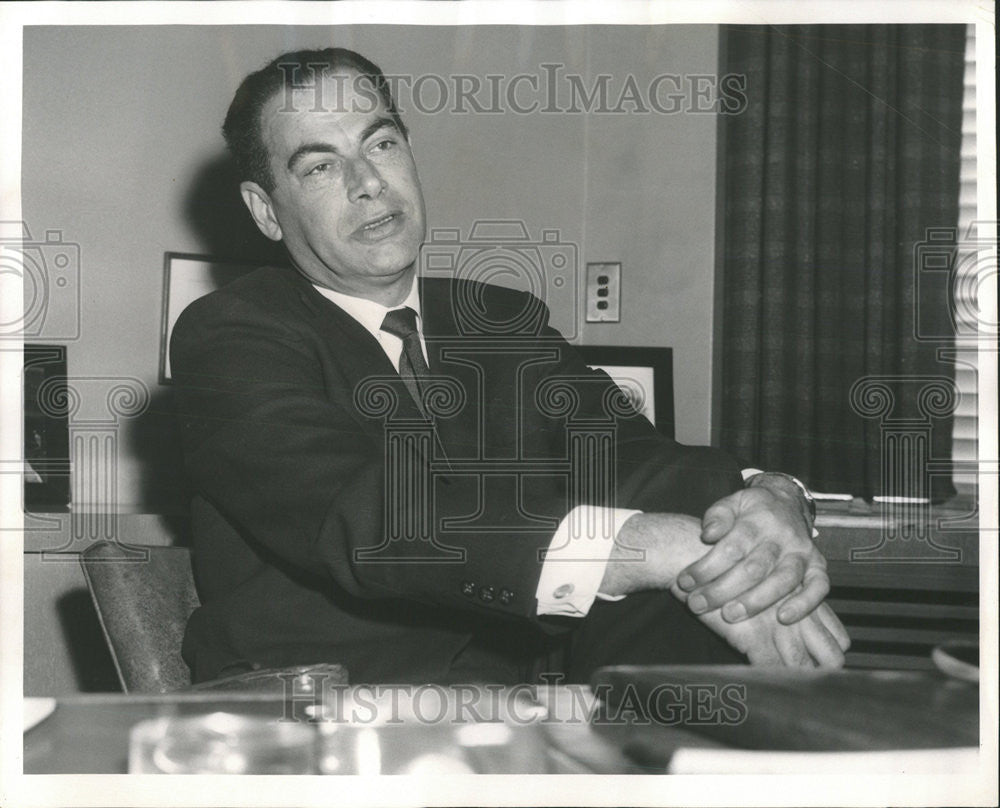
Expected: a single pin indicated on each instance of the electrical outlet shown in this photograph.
(604, 291)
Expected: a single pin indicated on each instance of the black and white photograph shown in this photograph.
(644, 375)
(593, 393)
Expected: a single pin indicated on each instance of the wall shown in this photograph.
(122, 154)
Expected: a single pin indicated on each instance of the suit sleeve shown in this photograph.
(651, 472)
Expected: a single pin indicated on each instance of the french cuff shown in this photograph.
(576, 559)
(748, 473)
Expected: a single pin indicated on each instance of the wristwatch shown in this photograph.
(759, 477)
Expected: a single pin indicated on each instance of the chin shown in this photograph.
(393, 262)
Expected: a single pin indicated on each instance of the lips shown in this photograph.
(380, 227)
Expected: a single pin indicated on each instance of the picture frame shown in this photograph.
(186, 277)
(46, 470)
(645, 375)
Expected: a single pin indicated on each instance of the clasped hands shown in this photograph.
(760, 584)
(763, 582)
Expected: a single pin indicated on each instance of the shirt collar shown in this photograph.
(369, 313)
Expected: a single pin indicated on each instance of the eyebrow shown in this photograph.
(319, 146)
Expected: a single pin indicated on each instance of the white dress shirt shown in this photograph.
(371, 315)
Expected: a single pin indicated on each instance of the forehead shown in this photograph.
(337, 107)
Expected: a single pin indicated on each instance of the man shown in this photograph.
(472, 552)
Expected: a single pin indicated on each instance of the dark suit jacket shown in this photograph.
(292, 456)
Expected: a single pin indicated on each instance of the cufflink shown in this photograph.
(563, 591)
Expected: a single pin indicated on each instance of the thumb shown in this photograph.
(718, 520)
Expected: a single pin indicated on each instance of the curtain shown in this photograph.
(841, 168)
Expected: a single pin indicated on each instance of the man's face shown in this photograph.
(346, 199)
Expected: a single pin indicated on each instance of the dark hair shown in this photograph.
(242, 127)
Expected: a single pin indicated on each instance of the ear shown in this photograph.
(261, 208)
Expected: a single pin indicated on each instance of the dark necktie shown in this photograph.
(412, 365)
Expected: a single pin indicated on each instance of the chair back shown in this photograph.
(143, 599)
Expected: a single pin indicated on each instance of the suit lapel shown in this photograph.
(437, 312)
(460, 433)
(357, 353)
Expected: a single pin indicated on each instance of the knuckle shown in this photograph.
(789, 576)
(724, 506)
(746, 526)
(770, 517)
(822, 585)
(793, 528)
(715, 511)
(732, 551)
(756, 569)
(713, 595)
(697, 571)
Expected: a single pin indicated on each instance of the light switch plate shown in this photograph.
(604, 288)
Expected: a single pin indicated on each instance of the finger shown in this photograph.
(815, 587)
(720, 559)
(792, 648)
(743, 577)
(834, 626)
(764, 654)
(719, 519)
(783, 579)
(821, 644)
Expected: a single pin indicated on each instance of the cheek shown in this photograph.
(326, 220)
(414, 194)
(403, 174)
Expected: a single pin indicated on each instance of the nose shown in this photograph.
(363, 180)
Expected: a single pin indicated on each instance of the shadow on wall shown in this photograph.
(93, 668)
(214, 209)
(157, 441)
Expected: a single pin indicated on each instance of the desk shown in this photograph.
(784, 709)
(89, 734)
